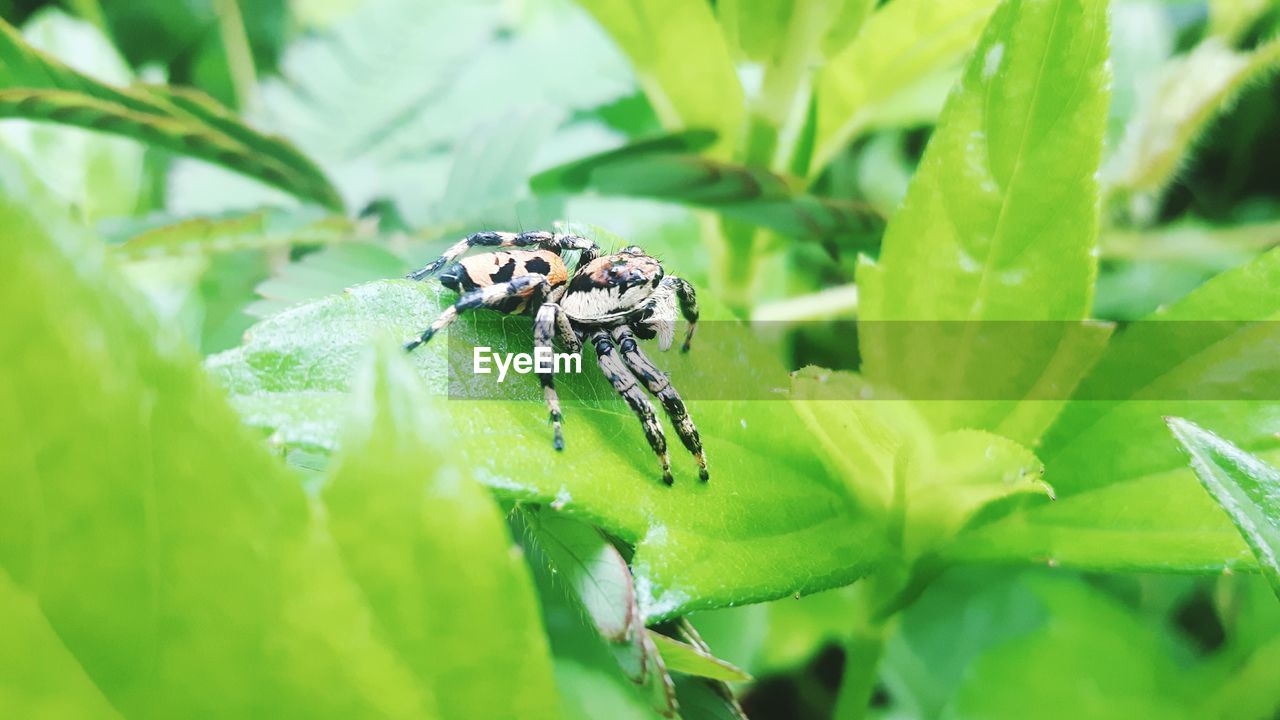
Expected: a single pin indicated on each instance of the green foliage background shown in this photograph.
(229, 494)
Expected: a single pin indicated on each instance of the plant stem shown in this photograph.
(235, 41)
(862, 652)
(840, 301)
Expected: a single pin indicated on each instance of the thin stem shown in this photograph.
(1188, 242)
(235, 41)
(862, 653)
(840, 301)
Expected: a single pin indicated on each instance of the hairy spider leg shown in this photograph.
(544, 330)
(688, 306)
(625, 384)
(489, 296)
(489, 238)
(660, 385)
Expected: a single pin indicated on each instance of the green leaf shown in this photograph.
(432, 555)
(489, 79)
(1187, 95)
(1039, 646)
(37, 87)
(597, 576)
(101, 176)
(165, 548)
(328, 270)
(684, 658)
(1230, 19)
(929, 486)
(39, 676)
(770, 518)
(680, 57)
(902, 45)
(663, 168)
(999, 224)
(260, 230)
(1247, 488)
(1125, 498)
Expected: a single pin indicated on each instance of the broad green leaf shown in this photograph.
(951, 624)
(999, 224)
(35, 86)
(101, 176)
(770, 519)
(928, 485)
(902, 44)
(39, 676)
(164, 547)
(684, 658)
(1125, 497)
(681, 60)
(326, 271)
(1052, 648)
(1247, 488)
(430, 551)
(1187, 95)
(487, 79)
(659, 168)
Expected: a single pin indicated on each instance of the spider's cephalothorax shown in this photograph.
(608, 299)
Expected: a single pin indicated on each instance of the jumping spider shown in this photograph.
(610, 299)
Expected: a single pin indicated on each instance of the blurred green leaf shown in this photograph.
(999, 224)
(770, 518)
(432, 555)
(1125, 498)
(1187, 95)
(683, 64)
(662, 168)
(487, 85)
(35, 86)
(260, 230)
(1247, 488)
(101, 176)
(39, 675)
(328, 270)
(902, 44)
(164, 547)
(1088, 657)
(1230, 19)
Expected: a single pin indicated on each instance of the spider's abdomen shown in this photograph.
(611, 286)
(498, 267)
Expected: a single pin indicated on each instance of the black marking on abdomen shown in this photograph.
(504, 273)
(538, 265)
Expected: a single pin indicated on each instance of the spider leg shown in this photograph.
(616, 370)
(688, 306)
(489, 238)
(570, 337)
(482, 297)
(544, 330)
(660, 385)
